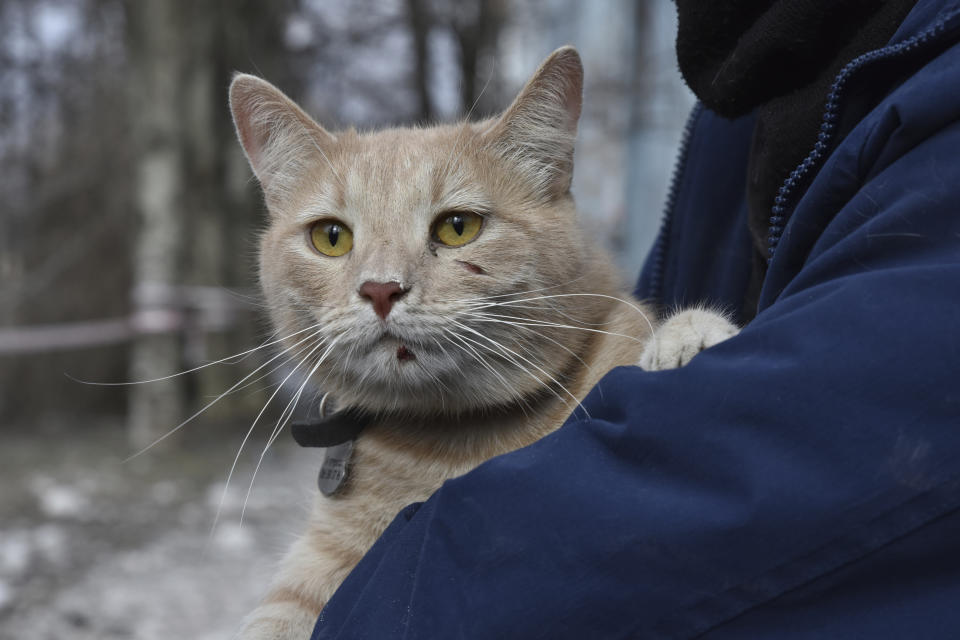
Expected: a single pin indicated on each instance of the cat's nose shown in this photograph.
(382, 295)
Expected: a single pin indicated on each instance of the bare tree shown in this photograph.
(158, 67)
(420, 21)
(476, 26)
(63, 221)
(189, 174)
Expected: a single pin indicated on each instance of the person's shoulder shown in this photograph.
(917, 70)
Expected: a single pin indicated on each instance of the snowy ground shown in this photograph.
(93, 548)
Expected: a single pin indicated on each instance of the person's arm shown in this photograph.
(826, 430)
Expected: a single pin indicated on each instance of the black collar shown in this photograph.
(330, 431)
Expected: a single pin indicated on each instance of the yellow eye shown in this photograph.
(457, 228)
(331, 238)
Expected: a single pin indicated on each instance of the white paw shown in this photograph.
(682, 336)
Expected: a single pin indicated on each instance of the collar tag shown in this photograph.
(336, 434)
(333, 471)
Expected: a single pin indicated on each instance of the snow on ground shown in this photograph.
(93, 548)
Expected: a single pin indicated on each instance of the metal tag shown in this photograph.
(333, 471)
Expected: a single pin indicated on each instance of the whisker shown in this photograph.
(539, 309)
(528, 327)
(483, 317)
(587, 295)
(239, 357)
(320, 360)
(544, 372)
(466, 124)
(282, 421)
(246, 437)
(271, 372)
(207, 406)
(466, 348)
(510, 388)
(521, 293)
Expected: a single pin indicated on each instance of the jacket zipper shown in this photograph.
(655, 290)
(788, 190)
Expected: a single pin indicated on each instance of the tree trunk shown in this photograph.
(476, 27)
(194, 199)
(419, 19)
(156, 74)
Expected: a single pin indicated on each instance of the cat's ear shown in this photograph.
(538, 130)
(281, 141)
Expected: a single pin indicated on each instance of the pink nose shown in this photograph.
(382, 295)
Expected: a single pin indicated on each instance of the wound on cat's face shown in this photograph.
(424, 269)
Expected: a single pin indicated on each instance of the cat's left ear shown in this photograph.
(281, 141)
(538, 130)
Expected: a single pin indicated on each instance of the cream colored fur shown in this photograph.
(509, 331)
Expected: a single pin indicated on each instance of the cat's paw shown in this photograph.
(684, 335)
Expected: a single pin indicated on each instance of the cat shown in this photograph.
(436, 279)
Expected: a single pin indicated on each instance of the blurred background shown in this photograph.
(128, 219)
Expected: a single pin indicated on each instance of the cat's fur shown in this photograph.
(508, 331)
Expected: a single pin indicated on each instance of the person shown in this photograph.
(799, 480)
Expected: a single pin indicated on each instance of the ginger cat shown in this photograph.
(436, 279)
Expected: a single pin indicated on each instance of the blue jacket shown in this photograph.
(801, 480)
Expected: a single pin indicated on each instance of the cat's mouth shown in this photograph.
(404, 353)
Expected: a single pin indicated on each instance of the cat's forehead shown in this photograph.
(427, 165)
(404, 150)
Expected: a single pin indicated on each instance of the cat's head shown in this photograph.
(426, 269)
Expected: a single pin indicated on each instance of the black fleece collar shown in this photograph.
(779, 58)
(738, 54)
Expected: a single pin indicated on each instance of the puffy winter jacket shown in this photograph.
(801, 480)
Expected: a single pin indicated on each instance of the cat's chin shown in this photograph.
(396, 348)
(395, 377)
(394, 354)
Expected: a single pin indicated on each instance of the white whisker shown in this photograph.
(246, 437)
(464, 346)
(282, 421)
(237, 357)
(529, 328)
(272, 371)
(521, 293)
(516, 321)
(586, 295)
(543, 371)
(205, 407)
(466, 124)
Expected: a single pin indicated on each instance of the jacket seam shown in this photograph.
(852, 547)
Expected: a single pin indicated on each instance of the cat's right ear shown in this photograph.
(280, 140)
(538, 130)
